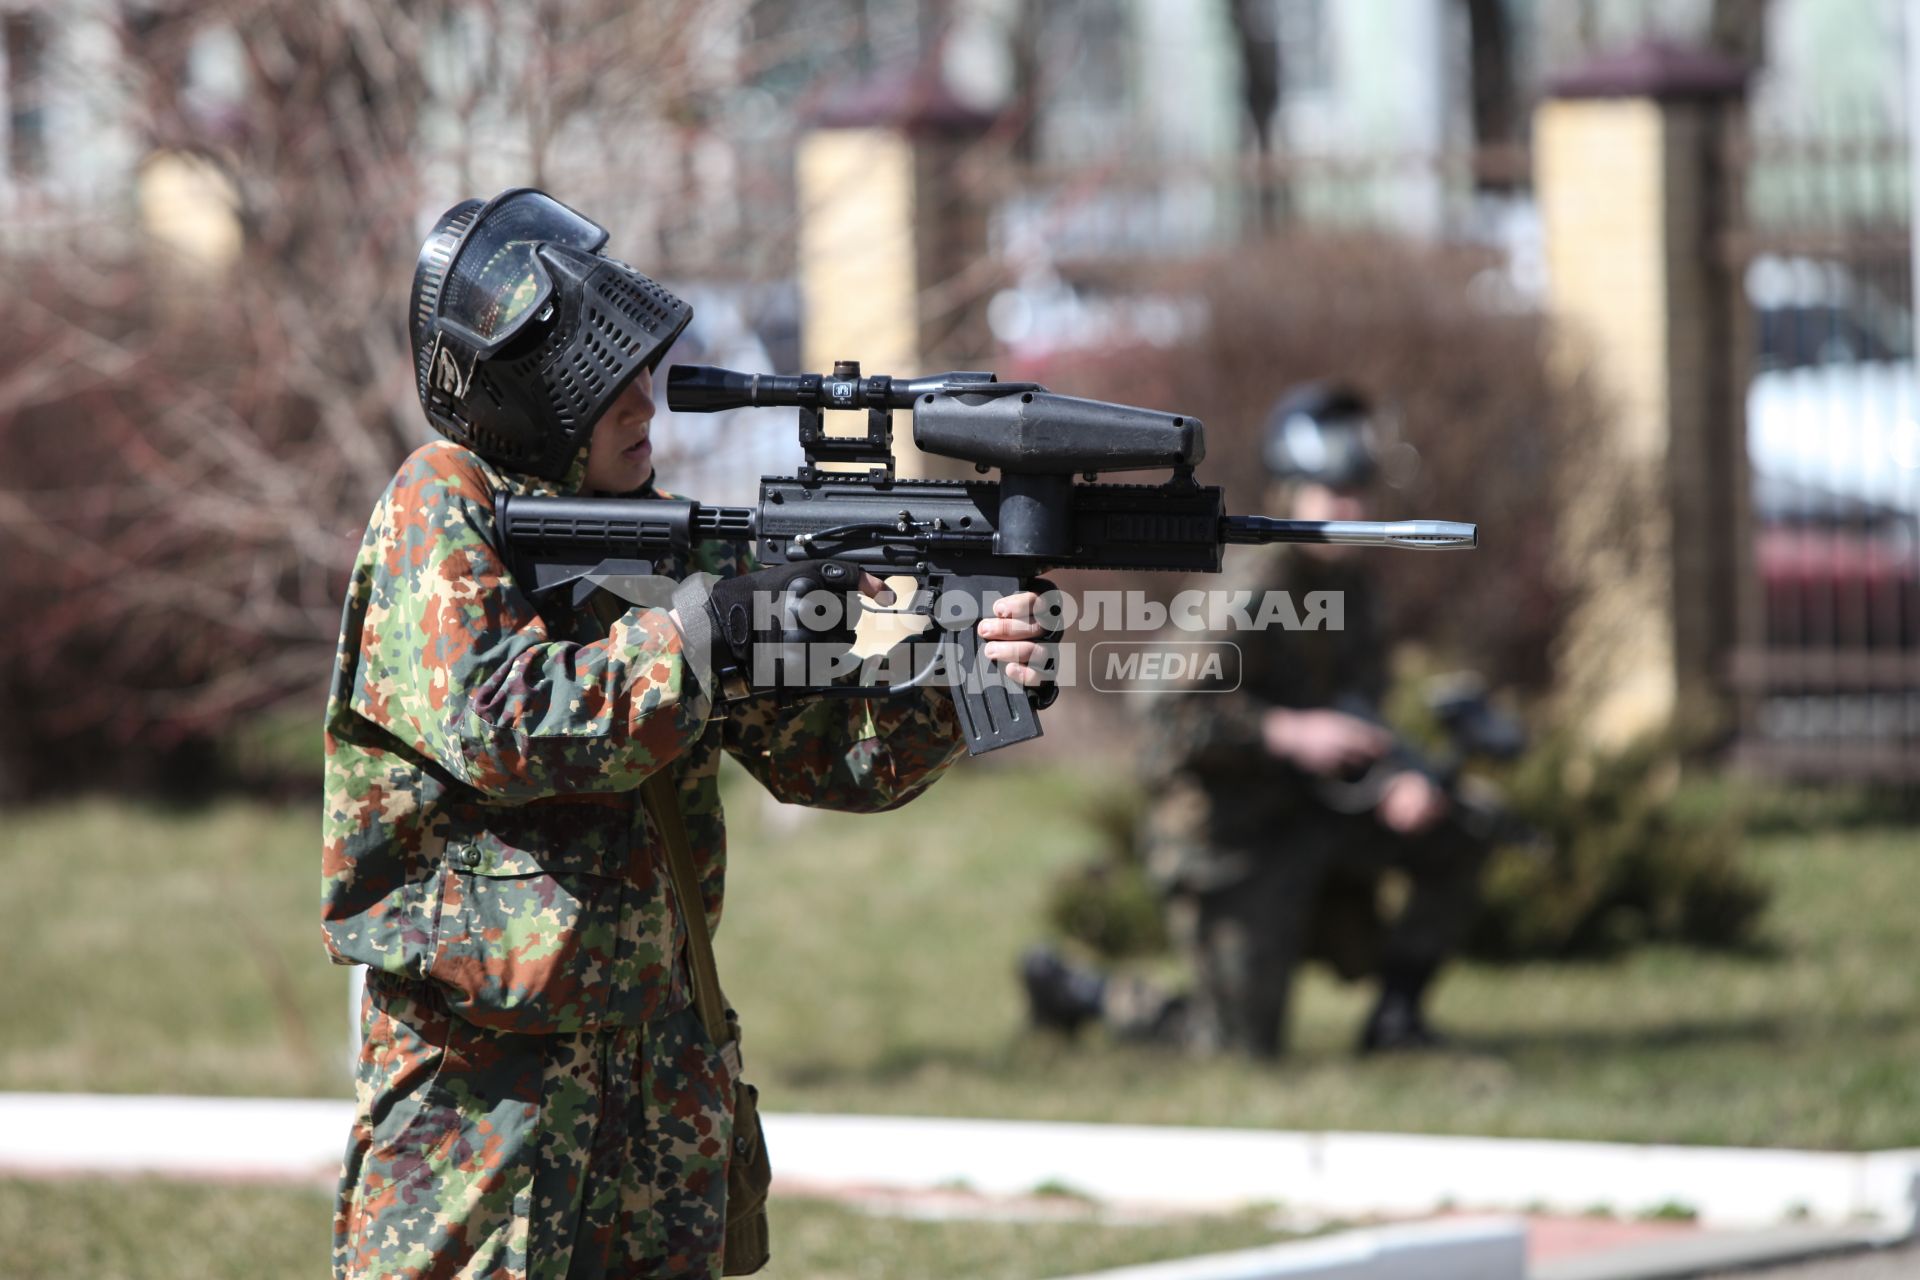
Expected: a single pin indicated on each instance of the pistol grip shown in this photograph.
(994, 712)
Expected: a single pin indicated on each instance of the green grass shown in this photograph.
(151, 1230)
(159, 951)
(818, 1240)
(872, 961)
(112, 1229)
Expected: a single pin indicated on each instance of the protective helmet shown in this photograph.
(1323, 432)
(524, 332)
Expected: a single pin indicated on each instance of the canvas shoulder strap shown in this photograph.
(661, 797)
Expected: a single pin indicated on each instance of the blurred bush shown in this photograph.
(1621, 859)
(1107, 903)
(1461, 372)
(1613, 857)
(201, 401)
(180, 549)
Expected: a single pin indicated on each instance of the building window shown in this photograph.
(1087, 53)
(25, 43)
(1306, 51)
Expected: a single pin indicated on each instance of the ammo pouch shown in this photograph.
(748, 1173)
(748, 1176)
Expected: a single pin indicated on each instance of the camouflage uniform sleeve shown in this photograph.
(455, 663)
(1200, 731)
(863, 755)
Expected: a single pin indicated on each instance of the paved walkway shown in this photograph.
(1705, 1253)
(1340, 1175)
(1890, 1264)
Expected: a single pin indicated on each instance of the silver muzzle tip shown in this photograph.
(1433, 535)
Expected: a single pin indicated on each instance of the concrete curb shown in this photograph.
(1333, 1174)
(1354, 1174)
(271, 1139)
(1710, 1253)
(1455, 1249)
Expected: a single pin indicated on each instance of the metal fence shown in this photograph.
(1090, 214)
(1813, 230)
(1818, 245)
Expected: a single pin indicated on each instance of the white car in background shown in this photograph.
(1832, 404)
(1833, 439)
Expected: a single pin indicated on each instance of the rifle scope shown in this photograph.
(704, 388)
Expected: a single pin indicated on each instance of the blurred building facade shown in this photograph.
(67, 154)
(1084, 144)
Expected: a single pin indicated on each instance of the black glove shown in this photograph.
(812, 605)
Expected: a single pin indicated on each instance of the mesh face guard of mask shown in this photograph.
(524, 331)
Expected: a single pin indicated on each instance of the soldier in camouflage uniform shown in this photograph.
(535, 1097)
(1277, 805)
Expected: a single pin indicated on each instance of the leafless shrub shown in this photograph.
(193, 445)
(1459, 372)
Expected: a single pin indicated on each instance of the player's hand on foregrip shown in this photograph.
(1411, 803)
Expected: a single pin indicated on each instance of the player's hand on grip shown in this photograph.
(1016, 639)
(1323, 742)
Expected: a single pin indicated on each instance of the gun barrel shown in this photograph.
(1427, 535)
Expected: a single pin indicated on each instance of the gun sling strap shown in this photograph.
(748, 1173)
(663, 805)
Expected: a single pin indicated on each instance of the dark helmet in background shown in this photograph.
(1323, 433)
(524, 331)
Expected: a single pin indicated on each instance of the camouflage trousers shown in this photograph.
(480, 1153)
(1313, 893)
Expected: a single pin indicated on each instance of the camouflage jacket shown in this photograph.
(1218, 797)
(483, 829)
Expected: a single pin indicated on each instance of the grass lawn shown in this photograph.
(872, 960)
(150, 1230)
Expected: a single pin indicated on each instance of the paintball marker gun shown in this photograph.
(965, 541)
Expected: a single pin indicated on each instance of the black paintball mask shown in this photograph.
(524, 331)
(1323, 433)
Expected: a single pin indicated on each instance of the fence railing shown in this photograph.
(1818, 241)
(1097, 213)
